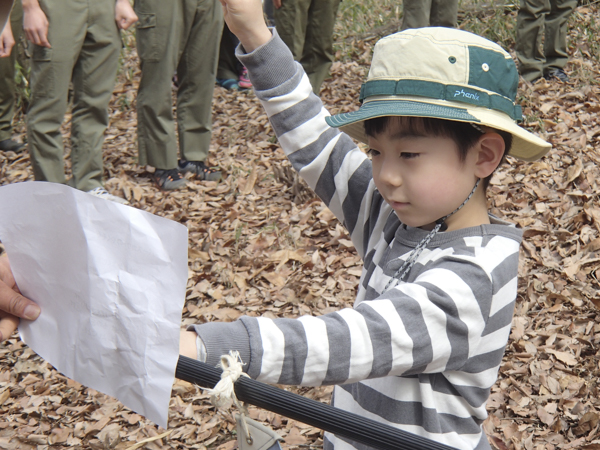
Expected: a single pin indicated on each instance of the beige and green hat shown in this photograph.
(443, 73)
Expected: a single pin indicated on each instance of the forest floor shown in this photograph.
(260, 243)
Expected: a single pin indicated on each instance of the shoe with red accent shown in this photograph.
(243, 81)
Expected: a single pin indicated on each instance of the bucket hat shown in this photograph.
(447, 74)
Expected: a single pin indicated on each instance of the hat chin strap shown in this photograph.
(440, 225)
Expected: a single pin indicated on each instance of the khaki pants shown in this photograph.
(182, 36)
(85, 50)
(306, 27)
(7, 75)
(425, 13)
(547, 20)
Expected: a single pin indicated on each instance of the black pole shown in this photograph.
(341, 423)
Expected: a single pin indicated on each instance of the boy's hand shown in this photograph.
(124, 14)
(245, 19)
(35, 23)
(12, 304)
(6, 41)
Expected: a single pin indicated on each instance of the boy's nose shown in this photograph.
(389, 174)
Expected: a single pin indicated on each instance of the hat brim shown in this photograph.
(525, 145)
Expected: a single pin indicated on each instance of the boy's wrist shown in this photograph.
(255, 39)
(187, 344)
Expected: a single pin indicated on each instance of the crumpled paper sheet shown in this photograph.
(110, 280)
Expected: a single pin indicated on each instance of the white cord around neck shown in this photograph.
(440, 224)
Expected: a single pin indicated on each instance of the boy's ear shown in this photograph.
(490, 150)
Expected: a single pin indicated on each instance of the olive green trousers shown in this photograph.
(85, 50)
(542, 21)
(7, 75)
(425, 13)
(176, 36)
(306, 27)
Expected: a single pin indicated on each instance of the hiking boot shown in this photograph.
(199, 170)
(9, 145)
(100, 192)
(244, 80)
(559, 74)
(168, 179)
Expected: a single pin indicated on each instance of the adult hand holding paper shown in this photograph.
(110, 281)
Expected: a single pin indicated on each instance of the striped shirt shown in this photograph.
(421, 356)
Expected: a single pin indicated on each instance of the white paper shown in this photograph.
(110, 280)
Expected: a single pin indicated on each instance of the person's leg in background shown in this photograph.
(196, 71)
(94, 78)
(227, 69)
(291, 20)
(530, 30)
(317, 55)
(51, 70)
(555, 38)
(444, 13)
(269, 12)
(159, 33)
(7, 84)
(415, 13)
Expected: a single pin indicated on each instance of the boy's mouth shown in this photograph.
(398, 205)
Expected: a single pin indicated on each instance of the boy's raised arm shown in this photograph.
(245, 19)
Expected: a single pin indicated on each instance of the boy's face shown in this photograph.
(421, 177)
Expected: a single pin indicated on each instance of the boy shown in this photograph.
(421, 348)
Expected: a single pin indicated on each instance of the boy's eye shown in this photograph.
(408, 155)
(372, 153)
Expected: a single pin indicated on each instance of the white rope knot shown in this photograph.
(223, 394)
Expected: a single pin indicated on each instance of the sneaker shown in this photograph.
(244, 81)
(228, 83)
(559, 74)
(199, 169)
(168, 179)
(100, 192)
(9, 145)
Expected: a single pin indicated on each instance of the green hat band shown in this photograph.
(440, 91)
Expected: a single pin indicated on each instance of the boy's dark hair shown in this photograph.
(463, 134)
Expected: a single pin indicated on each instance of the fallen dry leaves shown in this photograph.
(262, 244)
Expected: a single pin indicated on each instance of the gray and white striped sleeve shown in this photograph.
(433, 324)
(329, 161)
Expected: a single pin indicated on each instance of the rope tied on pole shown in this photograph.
(222, 396)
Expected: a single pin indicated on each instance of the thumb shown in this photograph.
(17, 305)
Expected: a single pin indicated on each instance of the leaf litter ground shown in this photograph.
(260, 243)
